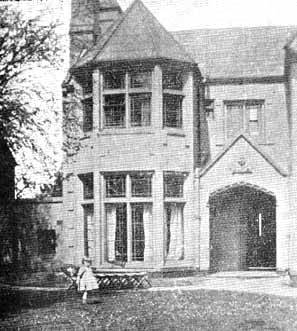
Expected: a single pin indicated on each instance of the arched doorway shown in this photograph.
(242, 228)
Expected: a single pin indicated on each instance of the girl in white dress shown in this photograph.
(86, 280)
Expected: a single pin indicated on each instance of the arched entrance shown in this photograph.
(242, 228)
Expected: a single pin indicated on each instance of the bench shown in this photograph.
(122, 279)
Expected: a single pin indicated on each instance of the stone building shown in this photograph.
(188, 156)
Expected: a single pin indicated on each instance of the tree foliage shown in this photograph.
(28, 110)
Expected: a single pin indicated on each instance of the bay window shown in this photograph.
(128, 216)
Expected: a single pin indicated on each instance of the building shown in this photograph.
(189, 144)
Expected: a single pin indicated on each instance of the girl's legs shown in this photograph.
(84, 297)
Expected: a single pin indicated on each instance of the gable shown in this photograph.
(137, 35)
(242, 158)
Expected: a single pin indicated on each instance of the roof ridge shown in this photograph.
(237, 28)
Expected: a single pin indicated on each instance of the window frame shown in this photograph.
(87, 126)
(179, 176)
(129, 200)
(245, 124)
(178, 98)
(87, 178)
(128, 91)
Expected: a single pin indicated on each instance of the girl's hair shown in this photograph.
(85, 258)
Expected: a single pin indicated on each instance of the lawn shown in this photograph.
(143, 310)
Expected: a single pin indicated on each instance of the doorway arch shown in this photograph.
(242, 228)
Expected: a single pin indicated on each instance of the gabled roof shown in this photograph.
(238, 52)
(137, 35)
(254, 146)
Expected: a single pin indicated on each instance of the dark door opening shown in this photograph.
(242, 230)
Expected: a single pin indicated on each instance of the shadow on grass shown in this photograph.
(13, 300)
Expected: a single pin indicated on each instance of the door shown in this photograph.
(262, 238)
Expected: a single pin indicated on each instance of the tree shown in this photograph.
(28, 113)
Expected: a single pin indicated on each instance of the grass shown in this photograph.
(142, 310)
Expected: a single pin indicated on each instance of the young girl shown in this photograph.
(86, 280)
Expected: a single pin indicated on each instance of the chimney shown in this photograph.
(89, 20)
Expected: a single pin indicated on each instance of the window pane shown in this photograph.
(140, 109)
(173, 186)
(141, 186)
(115, 186)
(114, 110)
(174, 231)
(138, 242)
(88, 185)
(87, 115)
(234, 119)
(254, 119)
(172, 111)
(88, 230)
(172, 80)
(114, 80)
(140, 79)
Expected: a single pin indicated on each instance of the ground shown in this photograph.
(150, 310)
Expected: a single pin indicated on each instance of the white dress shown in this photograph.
(86, 280)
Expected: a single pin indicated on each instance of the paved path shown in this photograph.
(271, 284)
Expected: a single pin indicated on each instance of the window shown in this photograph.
(172, 111)
(138, 240)
(88, 185)
(89, 230)
(173, 185)
(244, 116)
(130, 105)
(140, 109)
(141, 80)
(173, 210)
(87, 114)
(114, 80)
(115, 186)
(141, 185)
(172, 81)
(126, 215)
(174, 231)
(114, 110)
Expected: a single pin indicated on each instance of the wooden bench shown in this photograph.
(123, 279)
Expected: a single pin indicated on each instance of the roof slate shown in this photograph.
(137, 35)
(238, 52)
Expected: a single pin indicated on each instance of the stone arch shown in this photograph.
(242, 225)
